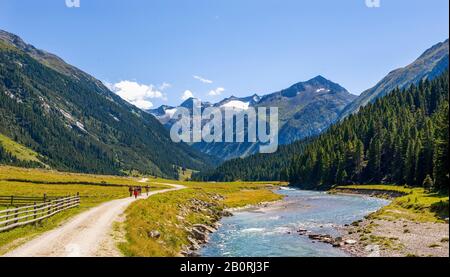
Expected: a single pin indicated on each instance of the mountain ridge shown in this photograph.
(428, 65)
(76, 123)
(305, 109)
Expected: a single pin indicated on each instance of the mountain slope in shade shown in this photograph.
(75, 123)
(305, 109)
(429, 65)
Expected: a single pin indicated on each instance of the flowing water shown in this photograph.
(272, 231)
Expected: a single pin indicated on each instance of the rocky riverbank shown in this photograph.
(400, 238)
(393, 234)
(199, 233)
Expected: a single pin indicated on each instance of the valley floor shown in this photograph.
(171, 222)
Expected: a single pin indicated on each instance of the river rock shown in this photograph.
(314, 236)
(337, 244)
(154, 234)
(194, 245)
(226, 213)
(200, 236)
(302, 232)
(351, 242)
(204, 228)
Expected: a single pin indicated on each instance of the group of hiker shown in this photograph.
(137, 191)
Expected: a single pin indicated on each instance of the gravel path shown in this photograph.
(86, 235)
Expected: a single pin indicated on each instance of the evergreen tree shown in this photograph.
(401, 138)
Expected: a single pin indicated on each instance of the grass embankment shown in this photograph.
(173, 214)
(416, 204)
(19, 151)
(93, 189)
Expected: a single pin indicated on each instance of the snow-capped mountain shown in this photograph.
(305, 109)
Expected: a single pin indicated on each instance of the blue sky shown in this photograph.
(150, 50)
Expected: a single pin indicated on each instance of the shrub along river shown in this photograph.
(272, 231)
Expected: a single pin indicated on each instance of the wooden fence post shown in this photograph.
(7, 217)
(35, 212)
(16, 214)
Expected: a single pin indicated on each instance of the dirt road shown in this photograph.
(86, 235)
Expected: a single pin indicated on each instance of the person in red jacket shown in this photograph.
(136, 193)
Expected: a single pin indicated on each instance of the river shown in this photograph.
(272, 231)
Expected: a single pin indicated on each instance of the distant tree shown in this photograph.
(428, 183)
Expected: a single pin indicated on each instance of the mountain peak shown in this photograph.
(316, 84)
(319, 78)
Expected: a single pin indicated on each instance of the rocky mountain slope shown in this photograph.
(73, 122)
(305, 109)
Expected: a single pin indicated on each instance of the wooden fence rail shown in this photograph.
(13, 218)
(17, 201)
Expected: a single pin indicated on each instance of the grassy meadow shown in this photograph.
(167, 213)
(93, 189)
(173, 213)
(417, 204)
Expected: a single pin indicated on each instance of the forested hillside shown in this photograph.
(431, 64)
(75, 123)
(401, 138)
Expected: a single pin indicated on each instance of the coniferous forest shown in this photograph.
(76, 124)
(401, 138)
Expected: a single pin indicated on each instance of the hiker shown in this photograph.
(147, 188)
(136, 193)
(130, 189)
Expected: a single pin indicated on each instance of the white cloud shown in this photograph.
(143, 104)
(217, 91)
(186, 95)
(203, 80)
(137, 94)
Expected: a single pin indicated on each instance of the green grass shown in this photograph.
(384, 242)
(93, 189)
(19, 151)
(388, 188)
(185, 175)
(417, 204)
(171, 213)
(168, 213)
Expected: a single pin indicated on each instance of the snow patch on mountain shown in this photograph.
(235, 104)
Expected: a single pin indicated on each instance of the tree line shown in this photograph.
(401, 138)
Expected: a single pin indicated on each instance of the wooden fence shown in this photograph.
(24, 215)
(19, 201)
